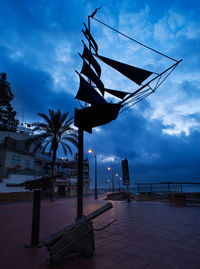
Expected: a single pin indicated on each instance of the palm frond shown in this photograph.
(64, 148)
(66, 128)
(37, 146)
(68, 148)
(63, 118)
(42, 127)
(45, 146)
(56, 129)
(45, 117)
(71, 140)
(69, 121)
(74, 135)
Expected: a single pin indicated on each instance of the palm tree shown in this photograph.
(56, 130)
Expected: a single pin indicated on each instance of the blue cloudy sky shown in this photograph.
(160, 136)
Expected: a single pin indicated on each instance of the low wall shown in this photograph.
(15, 197)
(147, 197)
(182, 197)
(116, 195)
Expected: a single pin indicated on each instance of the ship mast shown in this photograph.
(80, 147)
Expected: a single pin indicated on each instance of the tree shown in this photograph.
(7, 114)
(56, 130)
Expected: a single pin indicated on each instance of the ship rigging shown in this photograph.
(92, 90)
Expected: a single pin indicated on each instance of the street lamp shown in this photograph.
(95, 179)
(110, 169)
(108, 180)
(106, 185)
(117, 175)
(120, 179)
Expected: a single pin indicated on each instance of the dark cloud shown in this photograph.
(33, 89)
(152, 155)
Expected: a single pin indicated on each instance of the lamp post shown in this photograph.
(110, 169)
(120, 179)
(108, 180)
(117, 175)
(95, 179)
(107, 185)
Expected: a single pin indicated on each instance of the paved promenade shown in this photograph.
(145, 235)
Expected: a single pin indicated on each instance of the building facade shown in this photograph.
(18, 160)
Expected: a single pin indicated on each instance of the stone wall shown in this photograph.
(15, 197)
(116, 195)
(147, 197)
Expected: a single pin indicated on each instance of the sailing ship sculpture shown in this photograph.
(100, 111)
(91, 91)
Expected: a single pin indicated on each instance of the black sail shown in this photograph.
(88, 72)
(88, 94)
(136, 74)
(90, 38)
(95, 115)
(118, 94)
(90, 58)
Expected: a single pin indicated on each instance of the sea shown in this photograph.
(145, 188)
(159, 188)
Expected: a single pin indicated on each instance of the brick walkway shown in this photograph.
(145, 235)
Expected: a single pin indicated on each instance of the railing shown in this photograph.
(162, 187)
(156, 187)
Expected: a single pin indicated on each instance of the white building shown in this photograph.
(15, 155)
(18, 162)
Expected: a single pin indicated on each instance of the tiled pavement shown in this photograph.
(145, 235)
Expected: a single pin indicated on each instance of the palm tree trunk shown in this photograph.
(53, 181)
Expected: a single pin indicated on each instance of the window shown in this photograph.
(16, 159)
(10, 143)
(27, 164)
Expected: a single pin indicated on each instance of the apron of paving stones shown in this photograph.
(145, 235)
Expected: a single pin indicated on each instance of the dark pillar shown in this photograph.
(150, 188)
(95, 182)
(36, 218)
(168, 187)
(80, 175)
(138, 187)
(181, 187)
(128, 194)
(113, 188)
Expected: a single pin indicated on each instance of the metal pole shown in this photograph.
(113, 181)
(80, 175)
(80, 163)
(128, 194)
(168, 187)
(150, 188)
(181, 187)
(36, 218)
(95, 182)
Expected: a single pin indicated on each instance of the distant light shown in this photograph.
(90, 150)
(109, 168)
